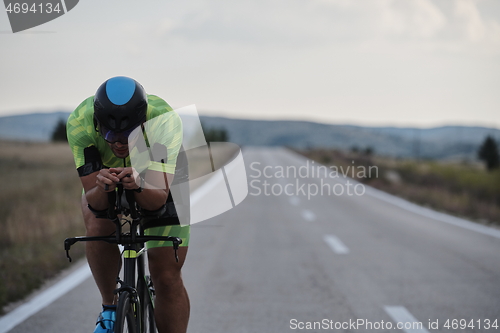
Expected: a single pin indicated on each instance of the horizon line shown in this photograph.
(316, 121)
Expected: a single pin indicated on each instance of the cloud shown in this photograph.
(473, 26)
(299, 23)
(411, 19)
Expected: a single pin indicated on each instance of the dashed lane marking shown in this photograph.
(336, 244)
(408, 323)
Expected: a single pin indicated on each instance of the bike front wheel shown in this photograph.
(149, 318)
(147, 300)
(125, 317)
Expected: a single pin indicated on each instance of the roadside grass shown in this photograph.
(39, 208)
(462, 189)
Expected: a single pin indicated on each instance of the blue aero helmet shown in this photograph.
(120, 105)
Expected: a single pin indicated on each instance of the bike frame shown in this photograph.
(133, 253)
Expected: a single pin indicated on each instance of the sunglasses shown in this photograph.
(112, 137)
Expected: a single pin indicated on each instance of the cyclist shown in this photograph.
(98, 133)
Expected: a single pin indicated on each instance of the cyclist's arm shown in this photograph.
(82, 140)
(94, 187)
(164, 131)
(154, 198)
(155, 186)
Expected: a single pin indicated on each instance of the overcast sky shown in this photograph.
(370, 62)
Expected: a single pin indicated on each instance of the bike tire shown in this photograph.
(125, 317)
(147, 301)
(149, 318)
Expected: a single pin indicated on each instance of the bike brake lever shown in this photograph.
(68, 256)
(176, 247)
(67, 246)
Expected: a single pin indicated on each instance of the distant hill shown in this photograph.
(447, 142)
(30, 127)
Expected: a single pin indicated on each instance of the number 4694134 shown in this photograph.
(464, 324)
(24, 8)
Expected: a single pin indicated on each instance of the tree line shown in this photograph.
(487, 152)
(211, 134)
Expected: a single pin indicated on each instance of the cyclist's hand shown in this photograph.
(128, 177)
(107, 179)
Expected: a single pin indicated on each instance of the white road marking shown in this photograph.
(308, 215)
(405, 319)
(336, 244)
(20, 314)
(39, 302)
(409, 206)
(426, 212)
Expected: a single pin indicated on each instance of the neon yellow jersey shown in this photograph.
(82, 134)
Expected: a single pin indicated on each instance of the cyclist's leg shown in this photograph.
(104, 259)
(172, 302)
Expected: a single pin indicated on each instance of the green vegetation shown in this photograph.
(59, 133)
(215, 134)
(488, 153)
(39, 208)
(461, 189)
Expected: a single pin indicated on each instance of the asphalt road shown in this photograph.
(280, 262)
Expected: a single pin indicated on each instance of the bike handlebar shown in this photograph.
(124, 240)
(115, 208)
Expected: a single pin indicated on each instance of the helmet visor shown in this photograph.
(112, 136)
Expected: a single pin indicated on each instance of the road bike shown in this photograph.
(135, 306)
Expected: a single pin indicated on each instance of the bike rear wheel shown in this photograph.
(125, 318)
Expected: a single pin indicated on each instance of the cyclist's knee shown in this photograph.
(93, 225)
(98, 227)
(167, 279)
(165, 271)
